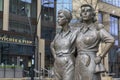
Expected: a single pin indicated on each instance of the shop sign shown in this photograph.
(5, 38)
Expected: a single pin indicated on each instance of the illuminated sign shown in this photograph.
(15, 40)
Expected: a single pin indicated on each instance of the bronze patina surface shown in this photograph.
(63, 48)
(88, 65)
(85, 40)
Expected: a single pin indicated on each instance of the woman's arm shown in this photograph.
(52, 49)
(107, 39)
(104, 52)
(106, 49)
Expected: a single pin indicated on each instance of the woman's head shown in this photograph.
(87, 13)
(64, 16)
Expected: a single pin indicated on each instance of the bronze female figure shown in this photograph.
(87, 42)
(63, 48)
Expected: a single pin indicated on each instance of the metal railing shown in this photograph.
(44, 73)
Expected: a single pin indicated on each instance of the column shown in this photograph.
(41, 42)
(6, 15)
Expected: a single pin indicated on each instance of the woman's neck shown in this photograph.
(65, 28)
(88, 22)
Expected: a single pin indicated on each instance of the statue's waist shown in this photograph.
(63, 54)
(87, 53)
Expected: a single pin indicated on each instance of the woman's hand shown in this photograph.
(98, 59)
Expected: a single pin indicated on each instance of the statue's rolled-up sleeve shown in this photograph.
(105, 36)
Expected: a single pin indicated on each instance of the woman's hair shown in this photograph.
(93, 12)
(67, 14)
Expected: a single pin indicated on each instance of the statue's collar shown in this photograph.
(85, 27)
(65, 33)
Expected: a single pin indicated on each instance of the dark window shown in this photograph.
(22, 17)
(1, 14)
(100, 17)
(48, 11)
(48, 33)
(48, 23)
(21, 7)
(7, 48)
(113, 54)
(114, 28)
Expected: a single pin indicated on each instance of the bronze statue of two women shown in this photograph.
(85, 41)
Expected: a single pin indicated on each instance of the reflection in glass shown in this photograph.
(1, 5)
(113, 2)
(48, 3)
(114, 28)
(1, 14)
(48, 27)
(28, 1)
(25, 11)
(113, 54)
(22, 7)
(63, 4)
(100, 17)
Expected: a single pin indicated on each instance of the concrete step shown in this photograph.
(103, 78)
(26, 79)
(107, 78)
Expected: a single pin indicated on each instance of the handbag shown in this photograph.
(100, 68)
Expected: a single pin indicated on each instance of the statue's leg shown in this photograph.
(69, 69)
(57, 72)
(57, 75)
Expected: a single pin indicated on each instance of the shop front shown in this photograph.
(16, 53)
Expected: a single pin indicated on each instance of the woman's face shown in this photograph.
(61, 19)
(86, 13)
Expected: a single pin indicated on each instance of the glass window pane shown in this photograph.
(114, 28)
(1, 14)
(27, 1)
(25, 10)
(60, 6)
(63, 4)
(1, 5)
(67, 1)
(66, 6)
(59, 1)
(113, 2)
(100, 17)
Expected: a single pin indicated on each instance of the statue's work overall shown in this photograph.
(85, 40)
(89, 36)
(63, 48)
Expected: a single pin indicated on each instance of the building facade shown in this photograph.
(18, 22)
(26, 31)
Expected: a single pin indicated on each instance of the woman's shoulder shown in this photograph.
(75, 30)
(99, 26)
